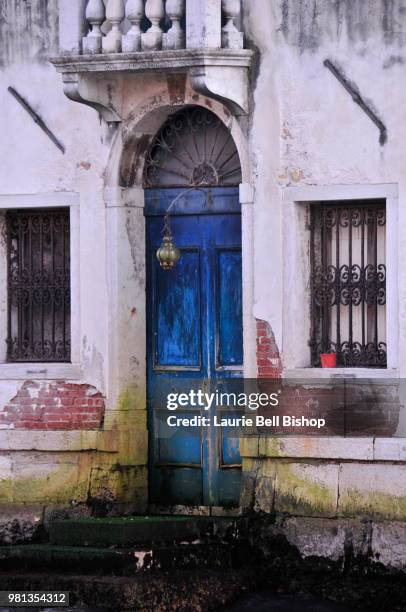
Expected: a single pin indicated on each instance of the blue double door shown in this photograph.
(194, 342)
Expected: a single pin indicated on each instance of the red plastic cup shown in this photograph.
(328, 360)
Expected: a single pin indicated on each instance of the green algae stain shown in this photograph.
(132, 398)
(372, 504)
(301, 495)
(60, 485)
(270, 447)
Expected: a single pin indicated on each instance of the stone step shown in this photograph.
(71, 558)
(135, 530)
(122, 561)
(156, 591)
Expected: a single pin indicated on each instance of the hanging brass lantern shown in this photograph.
(168, 253)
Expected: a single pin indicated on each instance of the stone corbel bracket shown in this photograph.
(226, 81)
(75, 89)
(221, 74)
(227, 84)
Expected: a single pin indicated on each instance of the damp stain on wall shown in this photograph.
(308, 24)
(28, 30)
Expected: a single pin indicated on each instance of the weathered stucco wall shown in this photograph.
(306, 129)
(101, 462)
(31, 164)
(311, 24)
(329, 496)
(28, 30)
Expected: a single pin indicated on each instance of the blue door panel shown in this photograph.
(222, 200)
(176, 485)
(177, 445)
(229, 446)
(229, 308)
(194, 341)
(228, 482)
(176, 297)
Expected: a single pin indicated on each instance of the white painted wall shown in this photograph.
(31, 166)
(306, 129)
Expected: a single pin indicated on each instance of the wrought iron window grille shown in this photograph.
(348, 282)
(38, 283)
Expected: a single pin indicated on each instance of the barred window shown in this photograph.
(348, 282)
(38, 259)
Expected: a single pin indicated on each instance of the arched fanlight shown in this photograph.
(193, 147)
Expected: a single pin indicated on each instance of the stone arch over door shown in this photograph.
(125, 233)
(132, 141)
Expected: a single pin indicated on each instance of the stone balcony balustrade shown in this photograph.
(198, 37)
(127, 26)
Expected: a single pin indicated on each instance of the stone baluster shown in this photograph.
(175, 36)
(231, 38)
(152, 39)
(95, 15)
(134, 11)
(112, 42)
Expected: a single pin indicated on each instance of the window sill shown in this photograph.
(40, 371)
(54, 440)
(378, 373)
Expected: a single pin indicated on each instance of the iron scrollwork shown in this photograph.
(193, 147)
(348, 283)
(38, 286)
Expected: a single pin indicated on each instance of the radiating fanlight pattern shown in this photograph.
(193, 147)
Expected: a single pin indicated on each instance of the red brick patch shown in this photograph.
(54, 405)
(269, 363)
